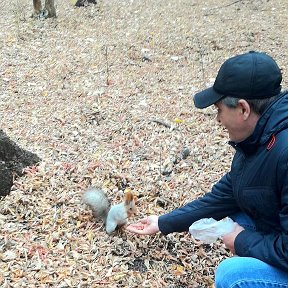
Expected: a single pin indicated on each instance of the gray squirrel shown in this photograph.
(114, 216)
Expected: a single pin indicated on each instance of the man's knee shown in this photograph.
(237, 272)
(228, 273)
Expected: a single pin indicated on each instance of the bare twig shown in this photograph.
(160, 164)
(107, 65)
(201, 60)
(227, 5)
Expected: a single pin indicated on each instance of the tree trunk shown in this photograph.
(13, 160)
(37, 6)
(50, 7)
(48, 11)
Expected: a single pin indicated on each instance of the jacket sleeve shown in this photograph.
(217, 204)
(270, 248)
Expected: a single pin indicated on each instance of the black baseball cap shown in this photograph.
(253, 75)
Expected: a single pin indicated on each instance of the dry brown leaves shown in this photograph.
(103, 96)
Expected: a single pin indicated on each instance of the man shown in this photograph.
(247, 95)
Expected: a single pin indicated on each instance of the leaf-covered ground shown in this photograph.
(103, 95)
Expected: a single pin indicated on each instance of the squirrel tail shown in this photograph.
(96, 199)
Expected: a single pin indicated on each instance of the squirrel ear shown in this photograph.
(128, 197)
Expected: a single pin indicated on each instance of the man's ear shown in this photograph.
(245, 108)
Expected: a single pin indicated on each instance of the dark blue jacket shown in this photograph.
(257, 184)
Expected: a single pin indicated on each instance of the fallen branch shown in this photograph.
(161, 123)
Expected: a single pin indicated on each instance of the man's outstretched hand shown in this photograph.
(145, 226)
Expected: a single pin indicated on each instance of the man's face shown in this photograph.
(233, 119)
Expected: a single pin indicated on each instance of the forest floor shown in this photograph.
(103, 94)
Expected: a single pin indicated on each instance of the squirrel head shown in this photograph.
(129, 202)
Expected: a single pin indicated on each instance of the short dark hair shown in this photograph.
(258, 106)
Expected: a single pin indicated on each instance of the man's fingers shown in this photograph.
(143, 220)
(136, 226)
(135, 229)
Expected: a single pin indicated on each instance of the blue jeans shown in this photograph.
(248, 272)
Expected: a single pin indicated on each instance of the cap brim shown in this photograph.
(206, 98)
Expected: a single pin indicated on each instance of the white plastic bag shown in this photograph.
(209, 230)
